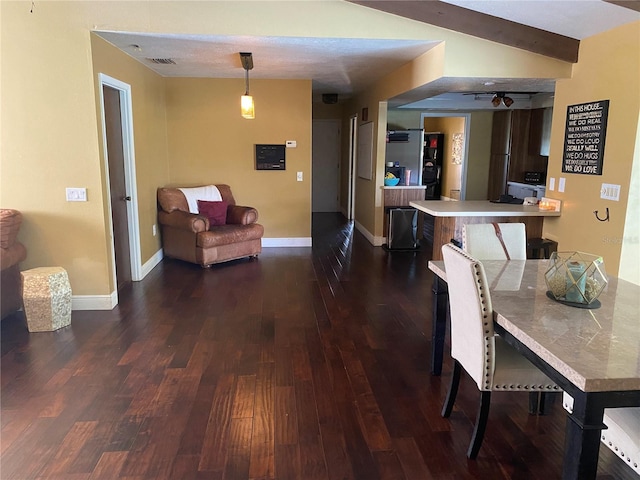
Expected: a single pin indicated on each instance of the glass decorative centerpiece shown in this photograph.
(576, 278)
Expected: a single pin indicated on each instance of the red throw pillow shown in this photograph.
(216, 212)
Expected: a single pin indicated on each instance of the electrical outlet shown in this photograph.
(299, 176)
(76, 194)
(610, 192)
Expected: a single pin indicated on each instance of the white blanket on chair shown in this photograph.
(209, 193)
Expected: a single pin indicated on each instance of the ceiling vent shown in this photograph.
(162, 61)
(329, 98)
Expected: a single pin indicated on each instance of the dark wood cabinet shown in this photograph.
(500, 152)
(540, 131)
(519, 155)
(516, 142)
(501, 133)
(498, 168)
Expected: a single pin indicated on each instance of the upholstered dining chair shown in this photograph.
(622, 434)
(500, 241)
(495, 241)
(490, 362)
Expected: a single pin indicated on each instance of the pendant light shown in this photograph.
(247, 108)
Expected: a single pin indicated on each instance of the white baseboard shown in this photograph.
(373, 240)
(94, 302)
(149, 265)
(286, 242)
(108, 302)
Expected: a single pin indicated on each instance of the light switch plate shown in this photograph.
(552, 183)
(299, 176)
(561, 184)
(76, 194)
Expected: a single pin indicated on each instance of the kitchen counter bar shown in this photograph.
(450, 216)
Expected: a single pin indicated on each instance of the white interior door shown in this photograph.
(325, 165)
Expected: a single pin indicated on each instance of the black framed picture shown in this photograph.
(270, 157)
(584, 136)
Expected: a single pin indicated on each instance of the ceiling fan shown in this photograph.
(498, 98)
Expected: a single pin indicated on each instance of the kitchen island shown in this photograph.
(450, 216)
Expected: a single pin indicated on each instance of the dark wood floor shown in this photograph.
(307, 363)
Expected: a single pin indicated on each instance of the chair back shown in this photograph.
(171, 199)
(481, 241)
(472, 342)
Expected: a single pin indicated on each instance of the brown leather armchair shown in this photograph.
(191, 237)
(12, 253)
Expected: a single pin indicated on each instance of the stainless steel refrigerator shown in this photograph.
(406, 148)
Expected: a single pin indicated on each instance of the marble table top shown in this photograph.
(595, 349)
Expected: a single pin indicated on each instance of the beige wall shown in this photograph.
(608, 69)
(49, 141)
(479, 155)
(209, 142)
(149, 130)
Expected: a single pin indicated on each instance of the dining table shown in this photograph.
(593, 354)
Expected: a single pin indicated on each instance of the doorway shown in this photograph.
(117, 128)
(325, 160)
(456, 129)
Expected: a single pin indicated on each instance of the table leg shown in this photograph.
(582, 439)
(439, 323)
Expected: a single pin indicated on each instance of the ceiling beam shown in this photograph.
(481, 25)
(630, 4)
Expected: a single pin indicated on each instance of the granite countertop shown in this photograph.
(479, 208)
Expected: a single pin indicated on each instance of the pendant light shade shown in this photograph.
(247, 107)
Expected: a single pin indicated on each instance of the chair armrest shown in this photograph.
(239, 215)
(12, 256)
(184, 221)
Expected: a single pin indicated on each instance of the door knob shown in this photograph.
(127, 198)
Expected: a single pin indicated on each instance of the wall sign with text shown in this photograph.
(584, 137)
